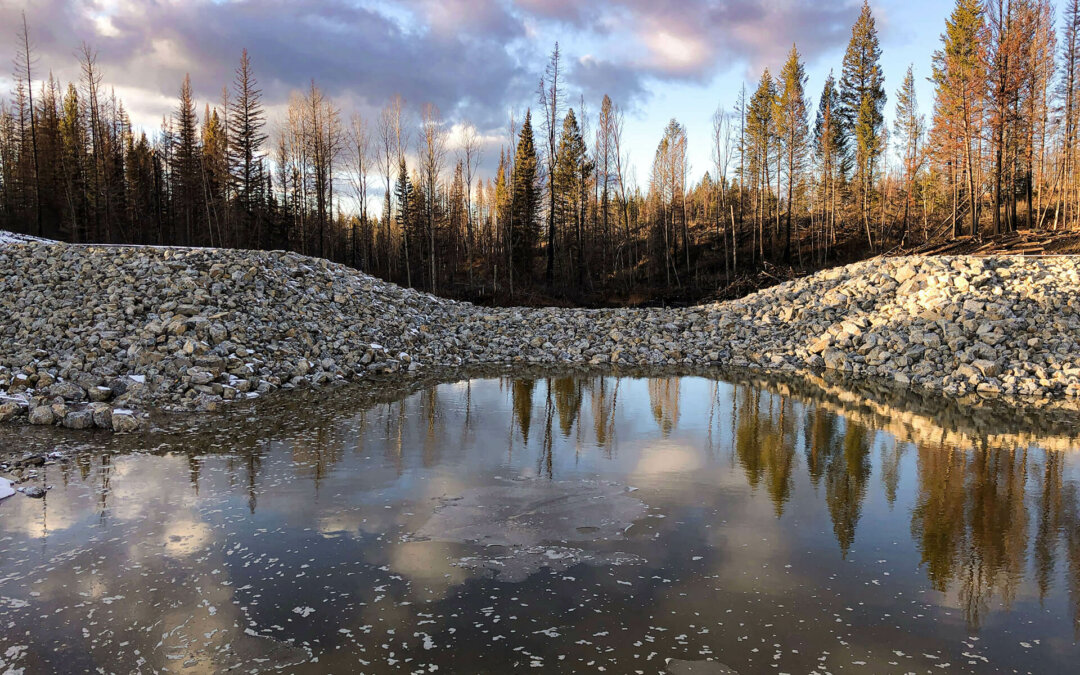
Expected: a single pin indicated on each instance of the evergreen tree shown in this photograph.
(862, 98)
(246, 138)
(73, 160)
(572, 171)
(761, 133)
(141, 192)
(908, 127)
(829, 153)
(186, 170)
(525, 202)
(605, 161)
(407, 213)
(215, 170)
(792, 130)
(959, 99)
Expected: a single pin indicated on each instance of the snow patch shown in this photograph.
(15, 238)
(5, 488)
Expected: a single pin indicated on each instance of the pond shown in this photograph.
(582, 523)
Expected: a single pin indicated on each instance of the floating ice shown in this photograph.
(519, 524)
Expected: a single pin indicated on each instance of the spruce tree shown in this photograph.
(186, 167)
(959, 69)
(73, 160)
(407, 213)
(792, 130)
(908, 127)
(761, 133)
(525, 203)
(246, 138)
(829, 153)
(216, 176)
(571, 170)
(862, 98)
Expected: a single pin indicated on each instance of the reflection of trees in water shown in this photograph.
(314, 454)
(890, 468)
(971, 524)
(568, 399)
(664, 401)
(1072, 544)
(545, 460)
(1050, 510)
(604, 397)
(194, 470)
(765, 443)
(838, 454)
(819, 427)
(522, 401)
(978, 518)
(433, 434)
(970, 521)
(249, 463)
(847, 471)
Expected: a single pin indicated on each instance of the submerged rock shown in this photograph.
(124, 421)
(33, 491)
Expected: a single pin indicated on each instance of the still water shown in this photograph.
(554, 524)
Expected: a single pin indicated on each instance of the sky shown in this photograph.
(477, 60)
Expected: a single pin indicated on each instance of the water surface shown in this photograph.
(563, 524)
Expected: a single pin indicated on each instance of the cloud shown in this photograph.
(693, 40)
(474, 59)
(596, 78)
(637, 46)
(448, 53)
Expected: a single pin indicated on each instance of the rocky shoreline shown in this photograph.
(95, 336)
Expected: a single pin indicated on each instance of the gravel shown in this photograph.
(94, 336)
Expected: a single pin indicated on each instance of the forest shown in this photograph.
(798, 182)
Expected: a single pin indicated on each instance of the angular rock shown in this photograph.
(42, 415)
(10, 410)
(124, 421)
(79, 419)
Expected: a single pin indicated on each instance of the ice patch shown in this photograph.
(518, 525)
(5, 488)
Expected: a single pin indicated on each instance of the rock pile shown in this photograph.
(89, 334)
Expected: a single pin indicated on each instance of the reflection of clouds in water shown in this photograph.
(428, 566)
(667, 457)
(752, 547)
(136, 485)
(334, 518)
(183, 538)
(150, 569)
(38, 518)
(336, 506)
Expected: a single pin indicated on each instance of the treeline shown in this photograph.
(793, 184)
